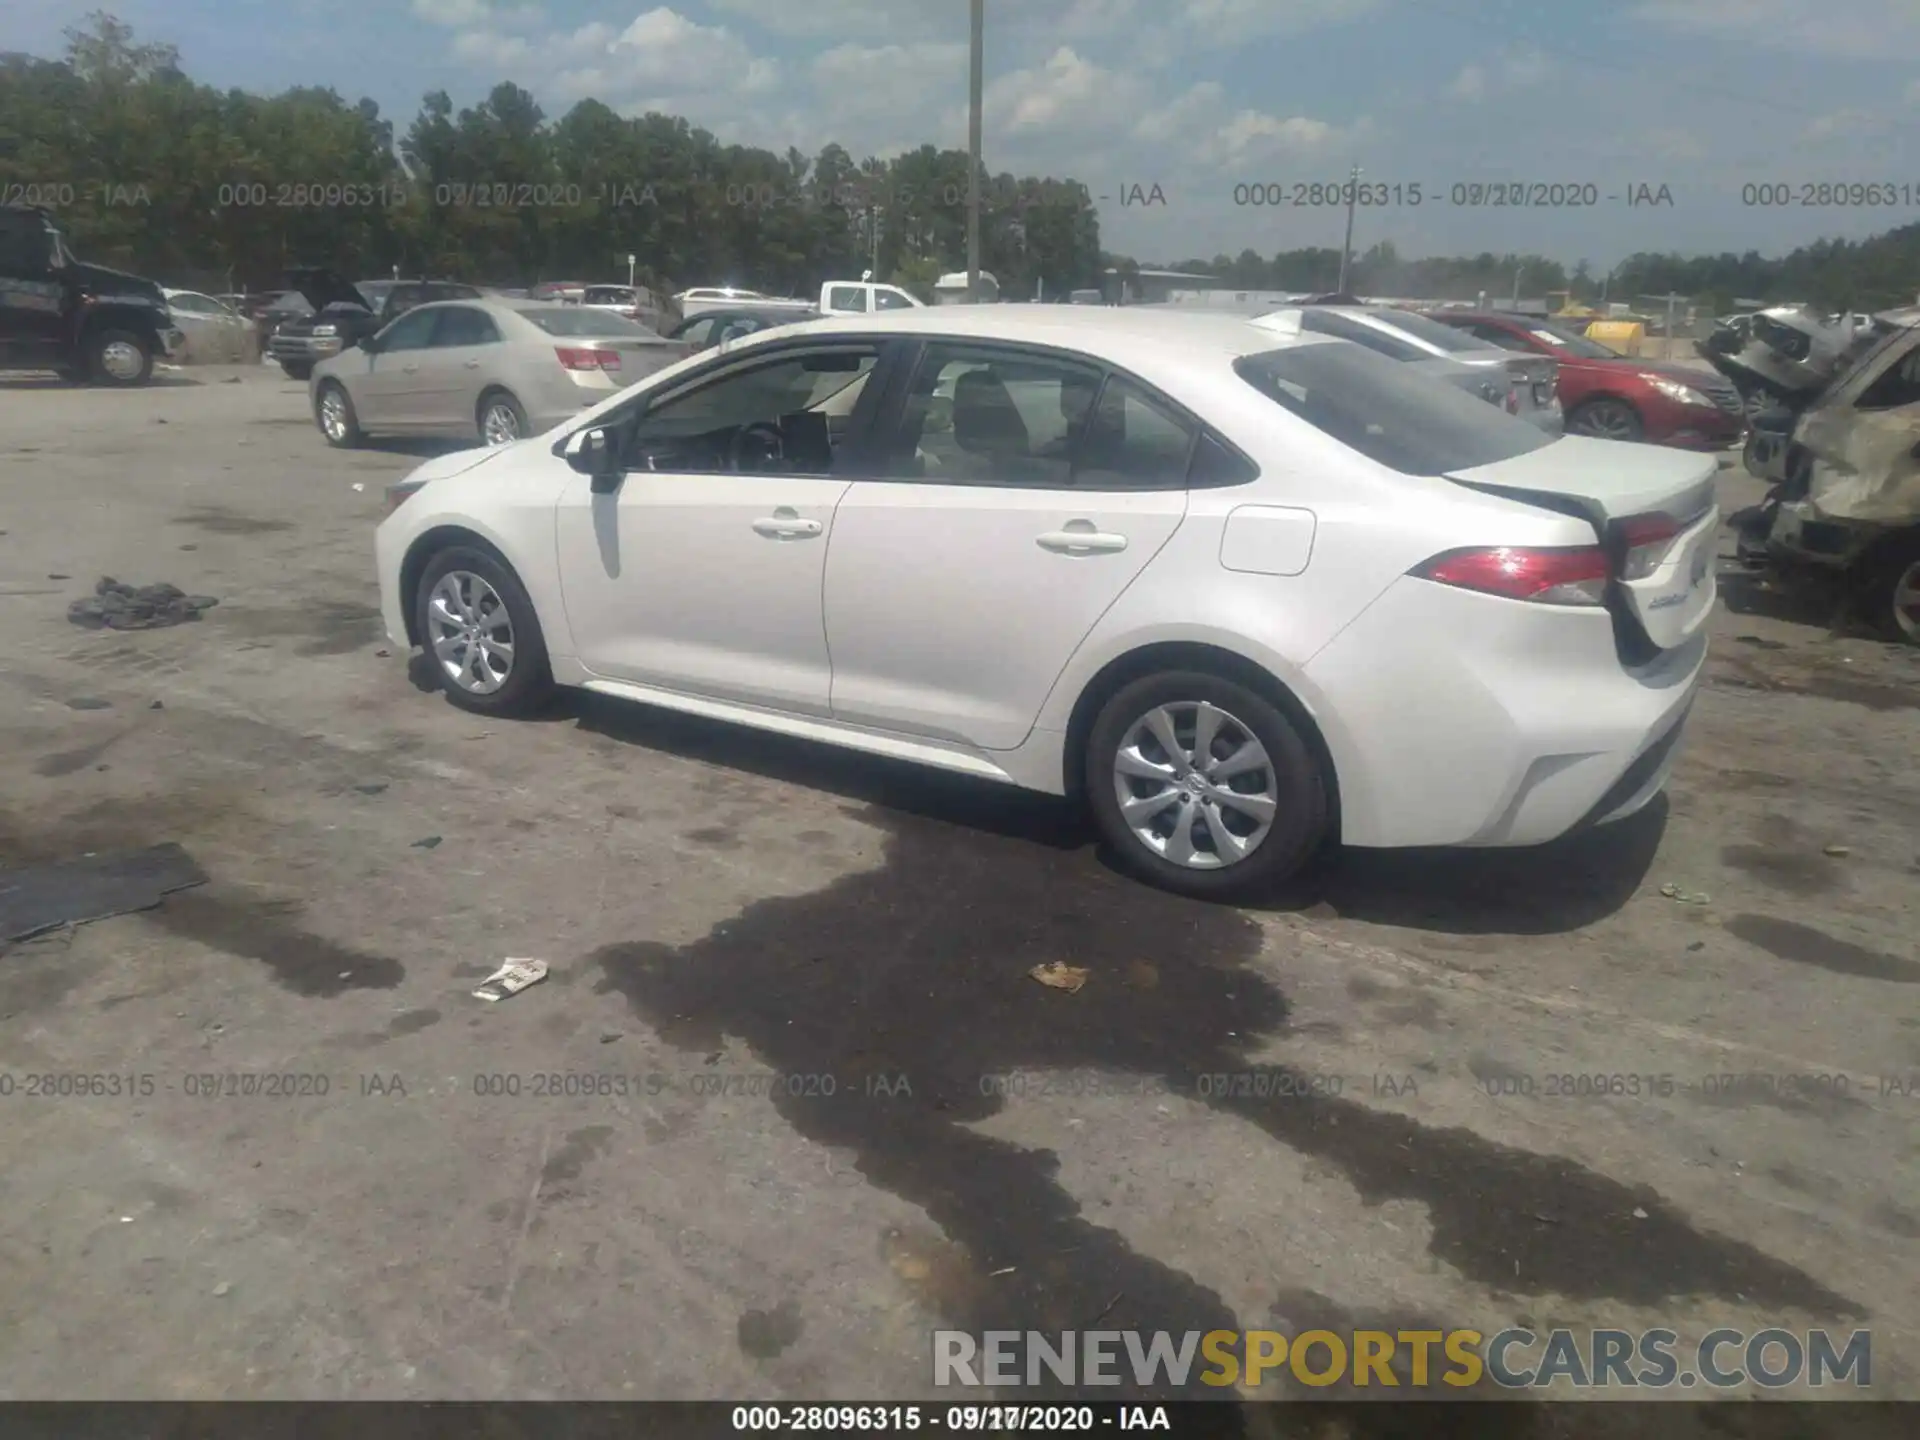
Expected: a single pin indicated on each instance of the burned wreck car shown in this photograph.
(1840, 447)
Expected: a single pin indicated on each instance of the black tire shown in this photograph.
(352, 435)
(297, 369)
(529, 684)
(1890, 570)
(1298, 784)
(502, 399)
(1607, 419)
(96, 356)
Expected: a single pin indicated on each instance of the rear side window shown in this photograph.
(1398, 417)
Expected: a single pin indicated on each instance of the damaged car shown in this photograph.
(1841, 451)
(344, 314)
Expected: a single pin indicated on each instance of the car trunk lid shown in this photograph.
(1653, 510)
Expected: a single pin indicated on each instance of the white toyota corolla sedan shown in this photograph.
(1247, 592)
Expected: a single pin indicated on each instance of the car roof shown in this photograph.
(1125, 333)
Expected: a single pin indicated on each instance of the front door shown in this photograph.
(1015, 510)
(701, 574)
(389, 392)
(33, 293)
(445, 395)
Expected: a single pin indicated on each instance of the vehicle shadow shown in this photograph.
(47, 380)
(1794, 597)
(1540, 890)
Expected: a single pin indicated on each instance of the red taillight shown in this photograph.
(1550, 576)
(585, 359)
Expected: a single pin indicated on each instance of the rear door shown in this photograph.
(1652, 506)
(964, 576)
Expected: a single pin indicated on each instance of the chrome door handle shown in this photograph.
(785, 524)
(409, 369)
(1074, 541)
(473, 364)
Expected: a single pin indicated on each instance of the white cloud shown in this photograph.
(472, 14)
(1848, 29)
(1231, 21)
(1253, 136)
(1912, 93)
(1519, 67)
(1846, 124)
(1526, 65)
(840, 18)
(1469, 84)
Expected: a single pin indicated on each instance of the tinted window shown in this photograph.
(576, 320)
(450, 292)
(696, 331)
(1132, 442)
(788, 416)
(1400, 418)
(463, 325)
(377, 291)
(887, 300)
(1345, 327)
(607, 295)
(1215, 463)
(412, 331)
(25, 247)
(987, 417)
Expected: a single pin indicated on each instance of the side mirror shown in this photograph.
(591, 452)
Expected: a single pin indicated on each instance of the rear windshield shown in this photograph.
(1394, 415)
(1442, 337)
(573, 320)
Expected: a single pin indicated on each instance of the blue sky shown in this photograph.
(1194, 96)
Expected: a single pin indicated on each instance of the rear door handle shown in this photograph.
(1074, 540)
(785, 524)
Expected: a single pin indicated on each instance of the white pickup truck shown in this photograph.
(837, 297)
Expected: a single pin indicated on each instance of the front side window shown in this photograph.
(26, 246)
(890, 300)
(412, 331)
(1393, 415)
(463, 325)
(786, 416)
(192, 304)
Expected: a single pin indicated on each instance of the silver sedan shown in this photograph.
(495, 370)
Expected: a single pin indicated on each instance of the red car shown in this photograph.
(1615, 396)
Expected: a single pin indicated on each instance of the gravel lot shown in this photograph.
(719, 907)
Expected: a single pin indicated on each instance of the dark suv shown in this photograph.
(344, 314)
(86, 321)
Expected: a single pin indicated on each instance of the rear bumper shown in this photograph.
(1464, 719)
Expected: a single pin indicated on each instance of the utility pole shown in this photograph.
(1346, 248)
(973, 153)
(1518, 271)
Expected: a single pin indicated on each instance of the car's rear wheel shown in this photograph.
(119, 357)
(478, 627)
(1607, 420)
(1204, 786)
(501, 419)
(334, 411)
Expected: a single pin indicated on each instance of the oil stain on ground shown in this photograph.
(921, 968)
(217, 520)
(321, 626)
(300, 961)
(763, 1334)
(1804, 945)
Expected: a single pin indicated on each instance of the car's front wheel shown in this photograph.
(334, 411)
(119, 357)
(1607, 420)
(1893, 589)
(478, 627)
(1204, 786)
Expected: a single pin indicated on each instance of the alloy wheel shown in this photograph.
(1195, 785)
(471, 634)
(1606, 420)
(501, 424)
(333, 415)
